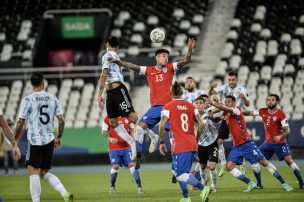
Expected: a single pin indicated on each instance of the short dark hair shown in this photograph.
(277, 97)
(113, 41)
(162, 50)
(233, 73)
(36, 79)
(176, 87)
(201, 97)
(232, 97)
(190, 77)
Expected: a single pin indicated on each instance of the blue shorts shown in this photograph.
(121, 157)
(248, 150)
(281, 150)
(182, 162)
(153, 116)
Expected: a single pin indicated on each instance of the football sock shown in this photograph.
(197, 171)
(114, 174)
(257, 172)
(222, 156)
(150, 133)
(273, 170)
(139, 139)
(35, 188)
(194, 182)
(296, 171)
(121, 131)
(213, 176)
(55, 183)
(136, 176)
(204, 174)
(184, 188)
(237, 173)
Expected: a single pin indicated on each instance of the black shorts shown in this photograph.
(223, 131)
(39, 156)
(118, 102)
(208, 153)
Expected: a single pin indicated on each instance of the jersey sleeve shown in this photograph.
(58, 109)
(256, 112)
(284, 120)
(24, 108)
(236, 111)
(220, 90)
(143, 70)
(166, 112)
(105, 62)
(245, 92)
(105, 125)
(174, 66)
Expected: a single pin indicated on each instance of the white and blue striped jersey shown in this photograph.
(209, 133)
(40, 109)
(115, 71)
(191, 96)
(226, 90)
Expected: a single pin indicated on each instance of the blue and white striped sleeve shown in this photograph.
(24, 108)
(58, 110)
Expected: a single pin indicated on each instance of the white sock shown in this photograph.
(35, 188)
(139, 134)
(244, 162)
(121, 131)
(256, 167)
(55, 183)
(294, 166)
(197, 167)
(213, 176)
(222, 156)
(204, 174)
(150, 133)
(271, 168)
(235, 172)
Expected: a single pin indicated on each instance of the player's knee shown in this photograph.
(211, 167)
(288, 160)
(113, 123)
(183, 177)
(33, 171)
(229, 167)
(115, 167)
(220, 142)
(133, 117)
(43, 172)
(203, 166)
(143, 125)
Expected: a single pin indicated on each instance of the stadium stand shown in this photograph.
(264, 45)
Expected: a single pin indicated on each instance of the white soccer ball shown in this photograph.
(157, 35)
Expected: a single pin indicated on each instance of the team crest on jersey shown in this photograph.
(165, 70)
(274, 118)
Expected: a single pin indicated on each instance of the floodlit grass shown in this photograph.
(157, 186)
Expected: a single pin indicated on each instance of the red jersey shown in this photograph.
(181, 116)
(121, 143)
(237, 126)
(160, 81)
(273, 124)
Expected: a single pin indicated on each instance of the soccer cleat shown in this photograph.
(68, 197)
(259, 186)
(251, 185)
(174, 180)
(205, 193)
(222, 170)
(112, 190)
(153, 144)
(185, 199)
(140, 190)
(213, 188)
(286, 187)
(243, 169)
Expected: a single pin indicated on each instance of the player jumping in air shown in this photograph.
(276, 130)
(181, 116)
(120, 152)
(243, 146)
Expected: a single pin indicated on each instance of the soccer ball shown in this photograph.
(157, 35)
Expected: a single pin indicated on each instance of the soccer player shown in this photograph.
(40, 109)
(118, 101)
(190, 93)
(9, 135)
(242, 100)
(160, 78)
(181, 116)
(207, 142)
(276, 130)
(7, 149)
(120, 152)
(243, 146)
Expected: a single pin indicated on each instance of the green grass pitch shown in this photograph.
(157, 186)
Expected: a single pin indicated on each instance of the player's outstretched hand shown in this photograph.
(277, 138)
(16, 153)
(58, 144)
(191, 43)
(162, 149)
(242, 95)
(213, 84)
(113, 140)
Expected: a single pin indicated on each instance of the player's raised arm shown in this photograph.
(211, 90)
(102, 79)
(187, 58)
(162, 132)
(125, 64)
